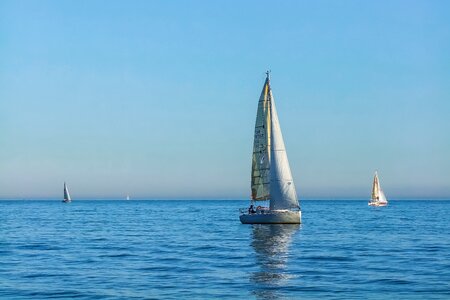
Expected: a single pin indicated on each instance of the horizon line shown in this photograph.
(223, 199)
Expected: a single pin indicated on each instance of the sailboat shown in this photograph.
(271, 178)
(67, 198)
(128, 197)
(378, 198)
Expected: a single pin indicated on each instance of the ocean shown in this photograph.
(200, 250)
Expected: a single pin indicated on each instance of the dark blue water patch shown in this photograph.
(117, 255)
(391, 281)
(329, 258)
(45, 275)
(173, 249)
(39, 246)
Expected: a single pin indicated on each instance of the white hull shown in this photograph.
(377, 204)
(272, 217)
(67, 201)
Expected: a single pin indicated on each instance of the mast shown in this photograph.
(282, 188)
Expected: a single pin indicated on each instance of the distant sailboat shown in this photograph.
(128, 197)
(378, 198)
(67, 198)
(271, 178)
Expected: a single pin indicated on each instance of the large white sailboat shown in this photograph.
(378, 198)
(271, 179)
(67, 198)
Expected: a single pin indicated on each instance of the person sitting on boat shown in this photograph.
(261, 209)
(251, 209)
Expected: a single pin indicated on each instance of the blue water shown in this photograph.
(199, 250)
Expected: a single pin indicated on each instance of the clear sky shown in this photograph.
(157, 99)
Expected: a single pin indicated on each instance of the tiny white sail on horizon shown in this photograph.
(66, 194)
(378, 197)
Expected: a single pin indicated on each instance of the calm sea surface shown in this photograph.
(199, 250)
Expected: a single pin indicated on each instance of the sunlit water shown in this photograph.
(199, 250)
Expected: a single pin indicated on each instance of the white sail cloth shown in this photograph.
(282, 187)
(377, 193)
(382, 198)
(66, 193)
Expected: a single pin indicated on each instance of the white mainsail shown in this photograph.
(66, 194)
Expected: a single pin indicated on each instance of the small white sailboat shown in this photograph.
(271, 178)
(67, 198)
(128, 197)
(378, 198)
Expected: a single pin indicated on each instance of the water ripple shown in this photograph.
(183, 249)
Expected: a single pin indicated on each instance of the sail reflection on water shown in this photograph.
(271, 243)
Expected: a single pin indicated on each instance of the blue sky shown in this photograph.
(157, 99)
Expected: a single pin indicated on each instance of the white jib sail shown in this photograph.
(260, 181)
(66, 193)
(282, 188)
(382, 197)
